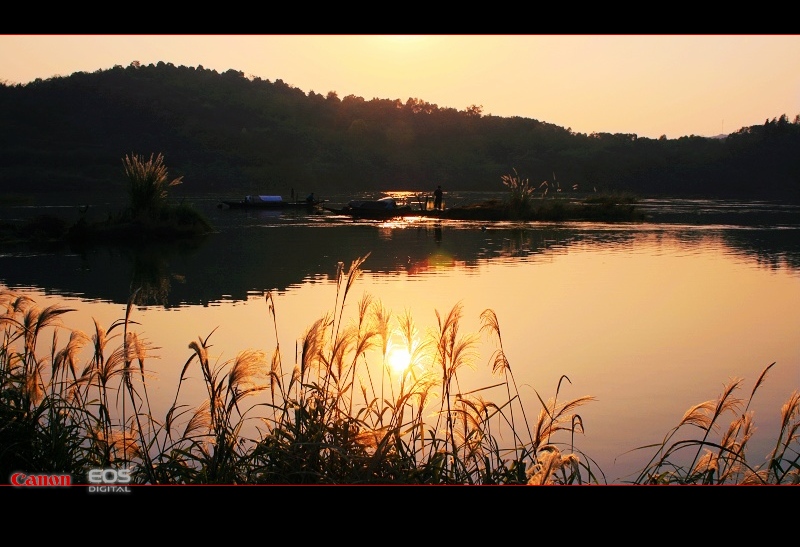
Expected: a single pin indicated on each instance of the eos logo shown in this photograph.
(109, 476)
(111, 479)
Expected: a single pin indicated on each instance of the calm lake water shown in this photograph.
(649, 318)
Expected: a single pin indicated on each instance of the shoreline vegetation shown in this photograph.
(151, 218)
(339, 415)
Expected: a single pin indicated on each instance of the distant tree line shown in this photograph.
(226, 131)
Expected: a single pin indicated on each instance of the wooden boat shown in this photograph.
(270, 202)
(377, 209)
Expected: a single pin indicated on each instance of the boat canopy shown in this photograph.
(258, 199)
(383, 203)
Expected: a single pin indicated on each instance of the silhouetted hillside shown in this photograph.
(227, 132)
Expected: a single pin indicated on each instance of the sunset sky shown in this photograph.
(649, 85)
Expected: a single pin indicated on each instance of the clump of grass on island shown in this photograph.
(546, 202)
(520, 197)
(150, 216)
(340, 414)
(148, 182)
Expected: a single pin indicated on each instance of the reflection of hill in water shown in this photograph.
(771, 247)
(253, 259)
(232, 264)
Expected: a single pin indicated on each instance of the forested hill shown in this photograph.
(225, 131)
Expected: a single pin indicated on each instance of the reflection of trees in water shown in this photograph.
(524, 241)
(774, 248)
(517, 243)
(234, 262)
(150, 275)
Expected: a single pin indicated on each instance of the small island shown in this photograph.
(148, 218)
(600, 208)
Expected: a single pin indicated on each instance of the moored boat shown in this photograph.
(270, 202)
(377, 209)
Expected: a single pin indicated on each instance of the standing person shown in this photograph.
(437, 198)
